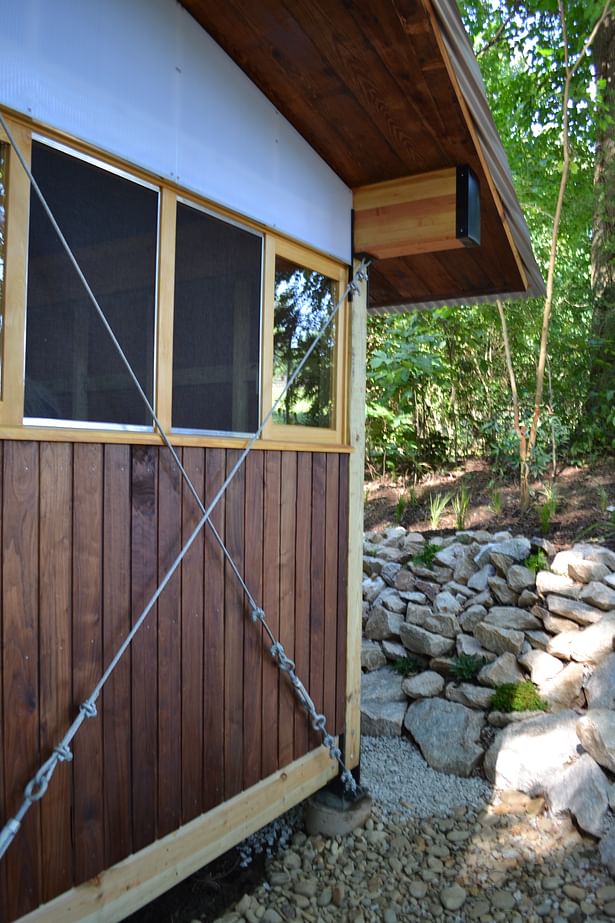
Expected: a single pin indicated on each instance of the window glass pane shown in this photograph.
(73, 371)
(303, 301)
(4, 159)
(216, 329)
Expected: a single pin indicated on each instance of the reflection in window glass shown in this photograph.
(73, 371)
(4, 150)
(303, 301)
(216, 327)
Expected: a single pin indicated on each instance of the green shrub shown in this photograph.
(466, 667)
(407, 666)
(537, 561)
(524, 696)
(427, 555)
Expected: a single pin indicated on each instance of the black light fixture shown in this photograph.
(467, 220)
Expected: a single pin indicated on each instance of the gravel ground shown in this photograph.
(436, 848)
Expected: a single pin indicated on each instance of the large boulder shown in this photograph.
(447, 734)
(596, 731)
(580, 789)
(383, 704)
(527, 755)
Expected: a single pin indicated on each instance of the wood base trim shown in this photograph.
(137, 880)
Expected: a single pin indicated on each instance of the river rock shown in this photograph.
(580, 788)
(598, 595)
(382, 624)
(562, 584)
(512, 617)
(372, 656)
(419, 641)
(573, 609)
(541, 666)
(600, 687)
(596, 731)
(499, 640)
(564, 690)
(447, 734)
(550, 739)
(423, 686)
(502, 670)
(520, 578)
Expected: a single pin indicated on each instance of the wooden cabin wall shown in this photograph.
(197, 710)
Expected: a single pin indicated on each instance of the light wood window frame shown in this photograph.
(296, 432)
(275, 435)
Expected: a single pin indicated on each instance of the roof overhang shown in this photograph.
(389, 94)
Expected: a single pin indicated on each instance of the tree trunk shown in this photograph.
(602, 376)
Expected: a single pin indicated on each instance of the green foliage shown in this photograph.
(548, 507)
(437, 505)
(437, 385)
(461, 506)
(407, 666)
(466, 667)
(427, 555)
(523, 696)
(537, 561)
(496, 499)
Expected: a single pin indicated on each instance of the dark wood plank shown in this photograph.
(20, 582)
(330, 587)
(87, 657)
(288, 529)
(234, 618)
(342, 596)
(302, 590)
(117, 718)
(192, 642)
(4, 814)
(55, 543)
(169, 647)
(315, 681)
(214, 638)
(144, 553)
(253, 632)
(271, 605)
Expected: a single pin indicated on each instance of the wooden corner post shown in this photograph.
(356, 430)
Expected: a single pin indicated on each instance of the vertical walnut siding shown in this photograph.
(196, 712)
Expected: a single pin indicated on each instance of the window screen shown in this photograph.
(303, 301)
(4, 150)
(73, 371)
(216, 330)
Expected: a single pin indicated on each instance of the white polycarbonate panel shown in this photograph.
(142, 80)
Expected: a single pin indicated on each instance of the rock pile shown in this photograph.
(473, 601)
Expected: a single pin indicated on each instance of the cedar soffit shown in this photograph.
(374, 86)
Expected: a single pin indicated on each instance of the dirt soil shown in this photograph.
(583, 495)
